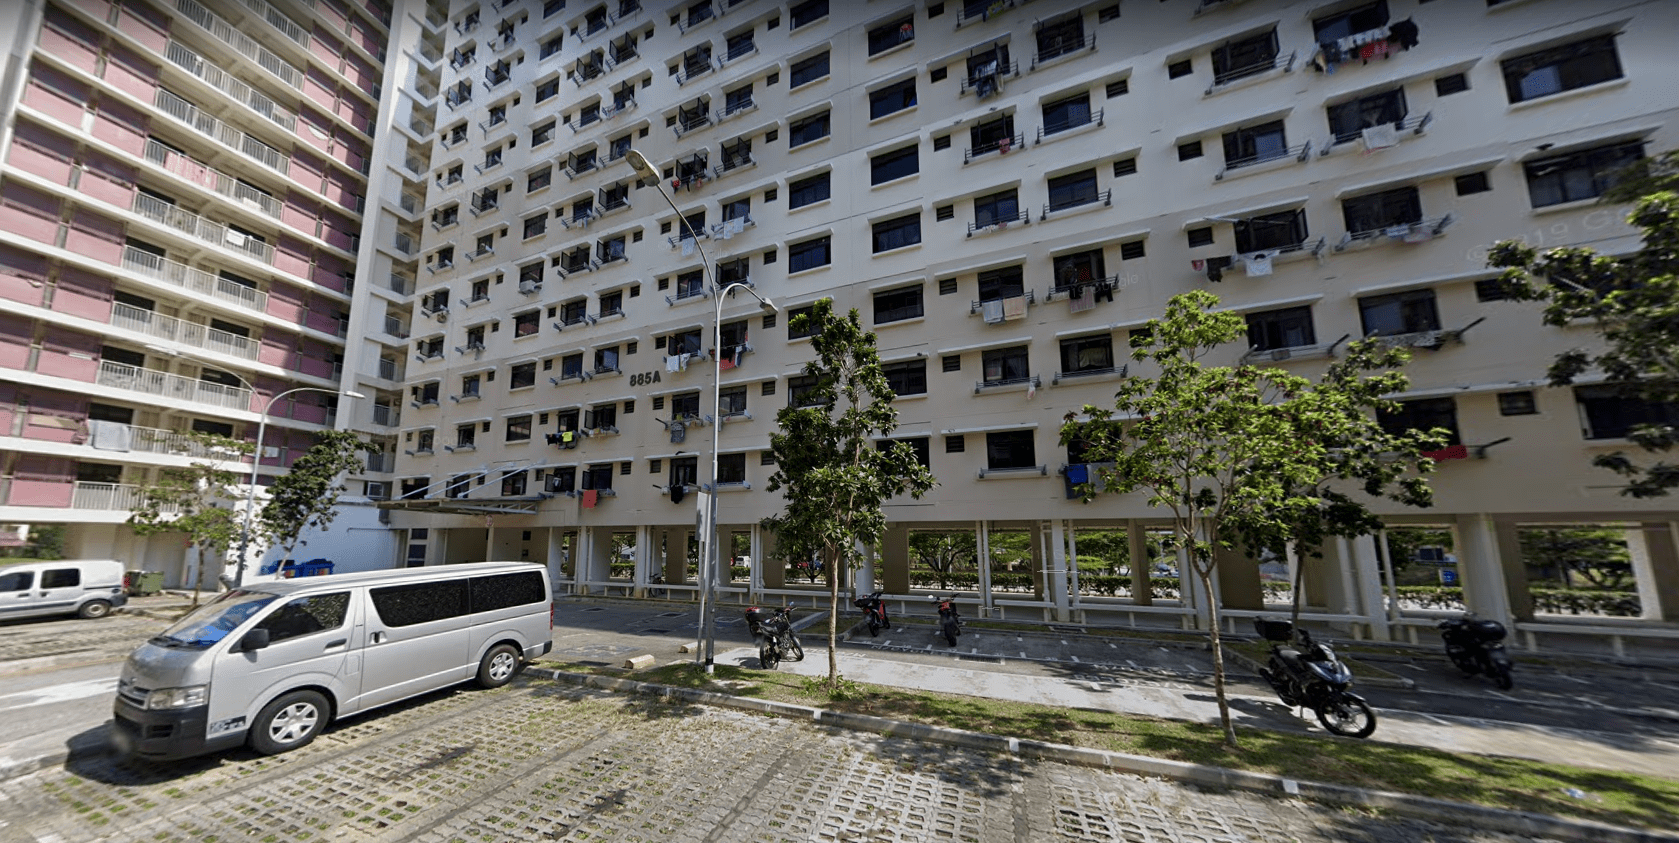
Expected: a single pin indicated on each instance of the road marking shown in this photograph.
(1112, 646)
(1573, 679)
(1504, 697)
(1133, 664)
(58, 693)
(1023, 654)
(1064, 643)
(1075, 659)
(1432, 717)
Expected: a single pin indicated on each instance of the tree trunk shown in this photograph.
(1205, 575)
(833, 622)
(1298, 586)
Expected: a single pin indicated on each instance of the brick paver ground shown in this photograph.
(538, 761)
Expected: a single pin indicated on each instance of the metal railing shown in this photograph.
(1415, 124)
(175, 387)
(1298, 153)
(1413, 231)
(998, 223)
(1001, 145)
(228, 136)
(1071, 123)
(227, 83)
(200, 228)
(181, 331)
(196, 280)
(204, 175)
(1062, 47)
(110, 497)
(244, 44)
(1228, 75)
(1103, 196)
(988, 84)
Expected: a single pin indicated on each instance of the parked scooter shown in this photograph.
(874, 611)
(1309, 674)
(950, 623)
(773, 632)
(1476, 646)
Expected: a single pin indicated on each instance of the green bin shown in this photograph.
(144, 583)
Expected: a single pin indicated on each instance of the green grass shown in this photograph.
(1509, 783)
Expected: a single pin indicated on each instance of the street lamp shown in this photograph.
(256, 463)
(710, 562)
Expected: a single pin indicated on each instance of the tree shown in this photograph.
(1596, 554)
(1240, 456)
(306, 496)
(941, 553)
(836, 479)
(46, 541)
(1634, 303)
(196, 500)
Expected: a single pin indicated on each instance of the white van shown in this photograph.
(87, 588)
(271, 664)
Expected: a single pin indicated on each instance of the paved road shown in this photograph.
(537, 761)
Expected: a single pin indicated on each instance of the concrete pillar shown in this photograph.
(864, 577)
(1367, 575)
(895, 561)
(1057, 563)
(1514, 570)
(1190, 590)
(1141, 566)
(594, 553)
(1480, 570)
(1656, 566)
(982, 542)
(1238, 580)
(773, 570)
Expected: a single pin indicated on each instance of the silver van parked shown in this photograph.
(86, 588)
(271, 664)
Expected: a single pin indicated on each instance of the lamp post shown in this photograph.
(256, 464)
(710, 566)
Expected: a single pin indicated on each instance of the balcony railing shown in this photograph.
(110, 497)
(1000, 146)
(228, 136)
(1282, 62)
(225, 82)
(1105, 197)
(1419, 231)
(1411, 123)
(173, 387)
(1298, 153)
(990, 83)
(181, 331)
(1062, 47)
(1115, 371)
(246, 45)
(200, 228)
(206, 176)
(1029, 381)
(998, 223)
(688, 121)
(196, 280)
(1088, 118)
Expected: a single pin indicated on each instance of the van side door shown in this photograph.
(59, 590)
(17, 594)
(417, 640)
(308, 644)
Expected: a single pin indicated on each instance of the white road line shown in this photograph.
(1112, 646)
(1432, 717)
(1133, 664)
(58, 693)
(1505, 697)
(1064, 642)
(1023, 654)
(1075, 659)
(1573, 679)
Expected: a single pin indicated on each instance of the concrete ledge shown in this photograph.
(1404, 804)
(639, 662)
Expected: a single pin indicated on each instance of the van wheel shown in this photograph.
(499, 666)
(289, 722)
(94, 609)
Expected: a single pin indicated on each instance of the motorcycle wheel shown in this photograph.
(1348, 716)
(766, 656)
(1501, 675)
(793, 648)
(950, 633)
(874, 626)
(1465, 664)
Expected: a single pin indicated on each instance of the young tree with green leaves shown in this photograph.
(1242, 456)
(1634, 303)
(197, 501)
(836, 479)
(306, 496)
(941, 552)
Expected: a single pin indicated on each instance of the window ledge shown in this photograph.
(810, 270)
(520, 388)
(1249, 81)
(916, 397)
(1570, 94)
(535, 190)
(1562, 207)
(727, 486)
(1087, 126)
(897, 181)
(1096, 204)
(898, 250)
(815, 204)
(1014, 473)
(810, 143)
(912, 320)
(891, 114)
(797, 88)
(1064, 57)
(898, 47)
(537, 236)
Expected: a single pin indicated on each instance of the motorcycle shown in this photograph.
(1309, 674)
(773, 632)
(874, 610)
(950, 623)
(1476, 646)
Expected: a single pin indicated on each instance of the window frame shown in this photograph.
(896, 233)
(899, 304)
(799, 254)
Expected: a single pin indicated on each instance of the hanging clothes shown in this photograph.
(1258, 263)
(1085, 300)
(678, 432)
(687, 247)
(992, 311)
(1380, 137)
(1403, 33)
(677, 492)
(1104, 291)
(589, 498)
(1014, 307)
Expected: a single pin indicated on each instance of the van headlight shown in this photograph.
(178, 697)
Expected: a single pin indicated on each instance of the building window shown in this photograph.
(1578, 175)
(1006, 365)
(921, 446)
(1072, 190)
(597, 477)
(1189, 151)
(1289, 327)
(806, 71)
(1179, 69)
(1377, 211)
(1359, 19)
(1060, 37)
(908, 377)
(1202, 236)
(1078, 268)
(998, 284)
(1068, 113)
(1000, 207)
(896, 164)
(1005, 449)
(522, 375)
(889, 35)
(892, 99)
(539, 179)
(799, 328)
(1471, 183)
(1255, 144)
(1564, 68)
(809, 255)
(1245, 57)
(992, 136)
(897, 233)
(1454, 83)
(1282, 230)
(806, 191)
(807, 130)
(1610, 413)
(519, 428)
(951, 363)
(1087, 354)
(801, 391)
(525, 324)
(732, 401)
(1410, 312)
(1423, 414)
(536, 226)
(1517, 403)
(1348, 120)
(1132, 250)
(955, 444)
(898, 305)
(806, 13)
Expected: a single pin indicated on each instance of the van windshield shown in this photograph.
(213, 621)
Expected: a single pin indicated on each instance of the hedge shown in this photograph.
(1550, 600)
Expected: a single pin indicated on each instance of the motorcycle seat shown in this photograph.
(1289, 656)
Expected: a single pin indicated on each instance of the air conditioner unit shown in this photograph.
(528, 287)
(441, 316)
